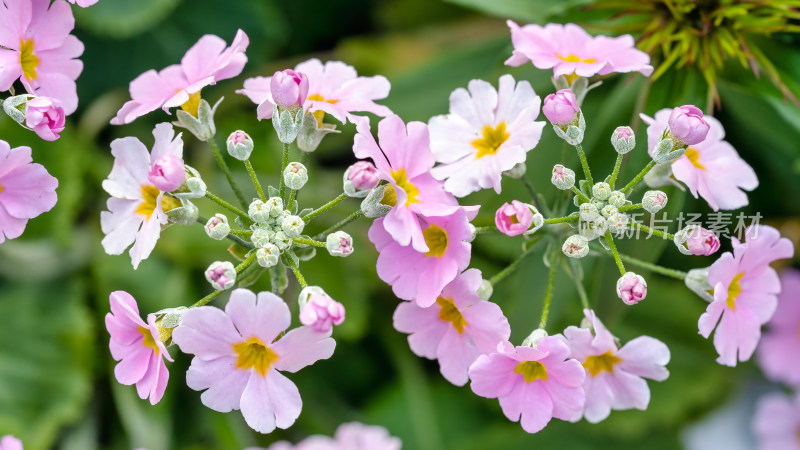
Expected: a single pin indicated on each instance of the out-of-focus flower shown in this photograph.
(83, 3)
(9, 442)
(779, 351)
(777, 422)
(45, 117)
(349, 436)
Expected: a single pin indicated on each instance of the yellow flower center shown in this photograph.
(694, 158)
(193, 104)
(532, 371)
(27, 59)
(598, 363)
(436, 240)
(149, 197)
(491, 141)
(514, 219)
(572, 58)
(148, 339)
(252, 353)
(734, 290)
(401, 179)
(1, 189)
(319, 115)
(448, 312)
(389, 195)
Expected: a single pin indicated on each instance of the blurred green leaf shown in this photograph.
(532, 11)
(124, 18)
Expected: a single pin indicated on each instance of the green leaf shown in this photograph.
(533, 11)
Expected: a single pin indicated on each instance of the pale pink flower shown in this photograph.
(487, 132)
(83, 3)
(421, 276)
(45, 117)
(456, 329)
(404, 159)
(9, 442)
(238, 360)
(26, 190)
(363, 175)
(37, 49)
(571, 51)
(631, 288)
(702, 242)
(333, 88)
(349, 436)
(686, 124)
(319, 311)
(513, 219)
(561, 108)
(745, 289)
(614, 376)
(289, 88)
(167, 173)
(777, 422)
(779, 350)
(711, 169)
(205, 63)
(533, 384)
(138, 348)
(137, 208)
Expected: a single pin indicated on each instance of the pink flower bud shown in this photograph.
(289, 88)
(363, 175)
(45, 117)
(167, 173)
(513, 219)
(686, 123)
(702, 242)
(631, 288)
(319, 311)
(561, 108)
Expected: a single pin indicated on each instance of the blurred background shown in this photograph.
(57, 388)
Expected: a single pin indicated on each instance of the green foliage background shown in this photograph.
(57, 388)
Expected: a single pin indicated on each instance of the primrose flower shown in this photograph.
(533, 384)
(349, 436)
(37, 49)
(318, 310)
(238, 360)
(572, 52)
(45, 117)
(205, 63)
(137, 208)
(561, 108)
(614, 376)
(26, 190)
(456, 329)
(745, 289)
(138, 346)
(487, 132)
(333, 88)
(421, 276)
(777, 421)
(9, 442)
(711, 169)
(779, 351)
(404, 160)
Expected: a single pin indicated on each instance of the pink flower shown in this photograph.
(137, 208)
(238, 359)
(207, 62)
(711, 168)
(138, 347)
(363, 175)
(487, 132)
(572, 52)
(614, 376)
(404, 159)
(456, 329)
(631, 288)
(745, 289)
(334, 88)
(9, 442)
(686, 123)
(319, 311)
(26, 190)
(513, 219)
(349, 436)
(702, 242)
(561, 108)
(167, 173)
(421, 276)
(777, 422)
(779, 350)
(533, 384)
(37, 49)
(289, 88)
(45, 117)
(83, 3)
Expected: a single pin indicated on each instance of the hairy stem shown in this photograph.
(585, 163)
(511, 267)
(324, 207)
(548, 296)
(256, 183)
(629, 187)
(284, 163)
(225, 205)
(227, 171)
(614, 252)
(341, 224)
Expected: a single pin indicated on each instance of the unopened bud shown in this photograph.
(576, 246)
(240, 145)
(268, 255)
(623, 139)
(485, 290)
(697, 281)
(588, 211)
(360, 178)
(654, 201)
(533, 339)
(608, 211)
(618, 222)
(167, 173)
(563, 178)
(339, 244)
(221, 275)
(261, 236)
(292, 225)
(616, 198)
(518, 171)
(295, 175)
(631, 288)
(373, 205)
(217, 227)
(601, 191)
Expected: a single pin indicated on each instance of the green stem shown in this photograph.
(561, 219)
(207, 299)
(653, 231)
(226, 205)
(202, 221)
(511, 267)
(253, 177)
(297, 274)
(585, 164)
(292, 194)
(615, 173)
(641, 101)
(629, 187)
(580, 195)
(341, 224)
(308, 242)
(246, 263)
(242, 233)
(614, 252)
(226, 170)
(531, 190)
(548, 296)
(284, 163)
(324, 207)
(652, 267)
(630, 207)
(486, 229)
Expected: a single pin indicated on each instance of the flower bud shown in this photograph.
(240, 145)
(292, 225)
(167, 173)
(295, 175)
(601, 191)
(289, 88)
(654, 201)
(217, 227)
(518, 171)
(686, 124)
(695, 240)
(616, 198)
(608, 211)
(221, 275)
(339, 244)
(576, 246)
(193, 187)
(485, 290)
(281, 240)
(563, 178)
(593, 228)
(533, 339)
(561, 108)
(45, 117)
(618, 222)
(373, 205)
(262, 236)
(360, 178)
(697, 281)
(318, 310)
(631, 288)
(588, 211)
(181, 212)
(288, 122)
(258, 211)
(513, 219)
(623, 140)
(311, 133)
(268, 255)
(201, 125)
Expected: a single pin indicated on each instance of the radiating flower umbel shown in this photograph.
(779, 351)
(137, 209)
(745, 289)
(487, 132)
(26, 190)
(239, 358)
